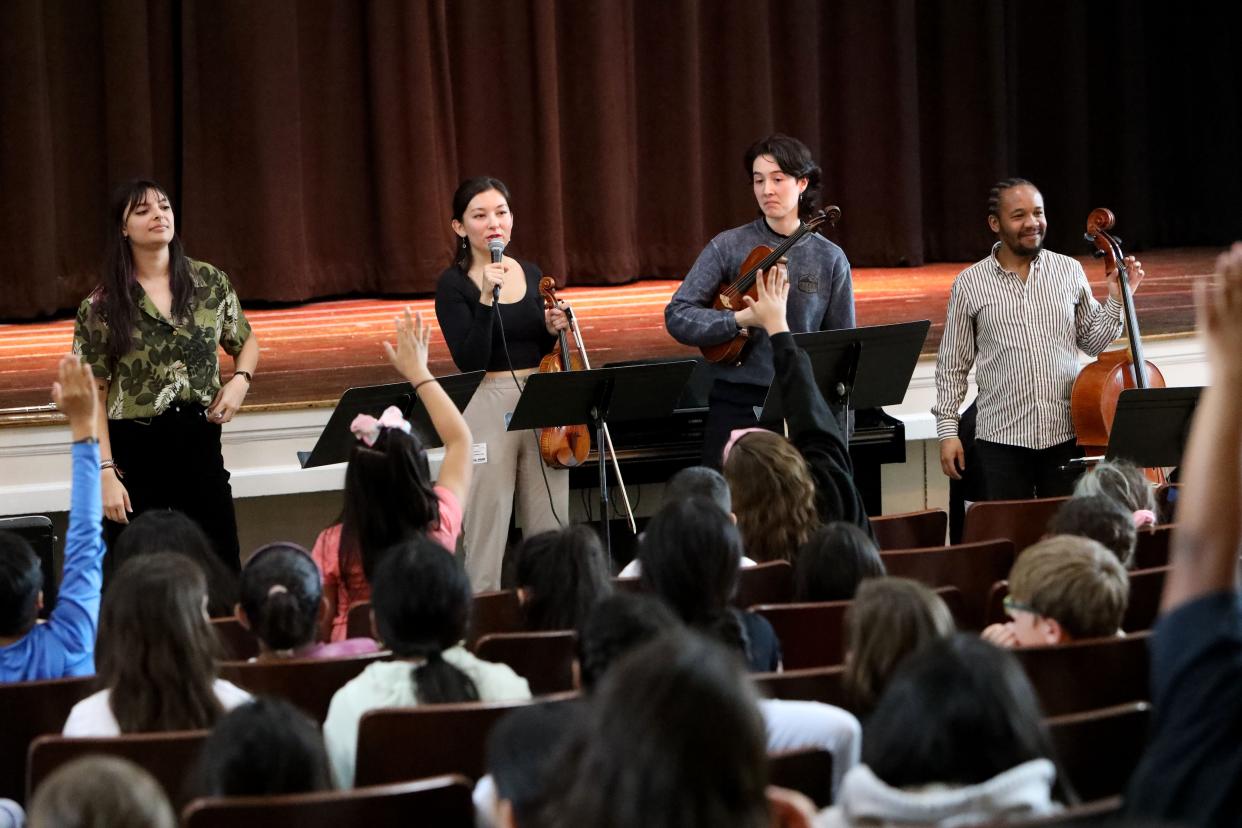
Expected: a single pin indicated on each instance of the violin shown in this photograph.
(563, 447)
(759, 261)
(1093, 402)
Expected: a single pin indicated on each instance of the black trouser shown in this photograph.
(1016, 473)
(730, 405)
(173, 461)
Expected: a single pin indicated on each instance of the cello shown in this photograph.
(761, 259)
(1093, 401)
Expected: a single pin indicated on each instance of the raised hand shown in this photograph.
(409, 356)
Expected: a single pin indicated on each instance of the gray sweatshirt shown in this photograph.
(821, 296)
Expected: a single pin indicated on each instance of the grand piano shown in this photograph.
(651, 451)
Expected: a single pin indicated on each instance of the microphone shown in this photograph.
(497, 249)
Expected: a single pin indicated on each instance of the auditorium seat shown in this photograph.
(494, 612)
(544, 659)
(911, 530)
(821, 684)
(1099, 749)
(169, 757)
(1146, 589)
(996, 603)
(30, 709)
(237, 642)
(811, 634)
(1022, 521)
(308, 683)
(1088, 675)
(358, 621)
(438, 801)
(971, 567)
(1103, 812)
(807, 771)
(1152, 547)
(392, 743)
(765, 583)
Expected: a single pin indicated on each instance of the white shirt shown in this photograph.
(93, 715)
(634, 568)
(802, 725)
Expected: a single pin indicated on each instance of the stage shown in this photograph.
(313, 352)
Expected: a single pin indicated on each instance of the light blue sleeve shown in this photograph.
(76, 616)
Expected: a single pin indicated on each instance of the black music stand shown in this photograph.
(858, 367)
(335, 442)
(633, 392)
(1151, 426)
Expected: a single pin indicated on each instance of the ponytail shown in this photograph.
(436, 681)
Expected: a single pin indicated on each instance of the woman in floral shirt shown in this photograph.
(151, 332)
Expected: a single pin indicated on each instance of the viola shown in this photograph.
(1093, 402)
(563, 447)
(759, 261)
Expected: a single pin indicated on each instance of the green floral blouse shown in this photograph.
(170, 360)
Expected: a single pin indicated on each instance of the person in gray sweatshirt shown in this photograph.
(786, 183)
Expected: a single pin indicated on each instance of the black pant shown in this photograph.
(730, 405)
(173, 461)
(1016, 473)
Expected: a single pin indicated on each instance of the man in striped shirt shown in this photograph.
(1020, 317)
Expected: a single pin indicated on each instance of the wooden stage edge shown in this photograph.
(311, 353)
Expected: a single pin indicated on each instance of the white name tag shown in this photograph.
(478, 453)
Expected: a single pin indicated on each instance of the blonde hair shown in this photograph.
(773, 496)
(890, 618)
(1076, 582)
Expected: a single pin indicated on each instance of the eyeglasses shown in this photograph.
(1010, 606)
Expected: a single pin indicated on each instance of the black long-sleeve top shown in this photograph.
(815, 432)
(472, 329)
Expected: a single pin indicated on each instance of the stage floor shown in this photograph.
(313, 352)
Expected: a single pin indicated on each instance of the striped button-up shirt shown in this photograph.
(1023, 338)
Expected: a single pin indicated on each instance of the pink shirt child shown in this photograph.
(351, 587)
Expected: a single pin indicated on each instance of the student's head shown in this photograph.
(168, 530)
(773, 495)
(560, 575)
(957, 712)
(389, 493)
(281, 596)
(890, 618)
(100, 792)
(421, 600)
(784, 175)
(834, 561)
(21, 585)
(156, 650)
(1016, 216)
(1101, 519)
(700, 481)
(522, 753)
(262, 748)
(1065, 588)
(1124, 482)
(480, 211)
(672, 737)
(616, 625)
(140, 217)
(690, 556)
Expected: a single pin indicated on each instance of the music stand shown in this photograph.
(1151, 425)
(336, 441)
(856, 368)
(632, 392)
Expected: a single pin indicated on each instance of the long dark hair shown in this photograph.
(466, 191)
(421, 599)
(958, 711)
(389, 497)
(168, 530)
(673, 737)
(794, 159)
(834, 561)
(280, 594)
(114, 301)
(690, 556)
(156, 651)
(564, 574)
(262, 748)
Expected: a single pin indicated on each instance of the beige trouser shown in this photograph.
(513, 467)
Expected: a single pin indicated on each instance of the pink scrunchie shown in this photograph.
(367, 429)
(1144, 517)
(735, 435)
